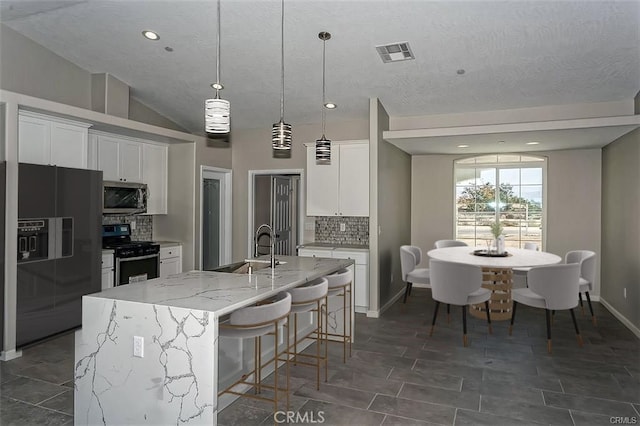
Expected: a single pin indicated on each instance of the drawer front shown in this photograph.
(361, 258)
(107, 260)
(169, 252)
(314, 252)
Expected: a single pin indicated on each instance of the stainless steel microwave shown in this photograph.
(124, 197)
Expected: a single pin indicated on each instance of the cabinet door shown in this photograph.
(108, 157)
(170, 266)
(154, 174)
(69, 145)
(315, 252)
(361, 283)
(322, 184)
(33, 140)
(130, 161)
(354, 180)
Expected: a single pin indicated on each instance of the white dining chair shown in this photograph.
(450, 243)
(458, 284)
(410, 257)
(587, 261)
(552, 288)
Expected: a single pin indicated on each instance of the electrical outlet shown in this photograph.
(138, 346)
(625, 292)
(343, 227)
(133, 225)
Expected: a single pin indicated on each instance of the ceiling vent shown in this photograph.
(395, 52)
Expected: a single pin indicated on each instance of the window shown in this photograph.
(518, 202)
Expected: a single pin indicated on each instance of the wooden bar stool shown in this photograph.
(257, 321)
(310, 297)
(340, 284)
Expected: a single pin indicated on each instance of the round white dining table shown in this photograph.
(518, 258)
(497, 274)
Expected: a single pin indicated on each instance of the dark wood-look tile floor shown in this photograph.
(398, 375)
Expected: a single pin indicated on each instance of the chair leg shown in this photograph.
(553, 316)
(406, 292)
(548, 314)
(435, 315)
(410, 288)
(581, 305)
(575, 324)
(486, 306)
(513, 316)
(593, 317)
(464, 326)
(448, 313)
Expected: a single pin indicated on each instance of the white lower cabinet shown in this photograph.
(170, 260)
(361, 270)
(107, 270)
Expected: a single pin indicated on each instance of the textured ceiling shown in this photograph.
(516, 54)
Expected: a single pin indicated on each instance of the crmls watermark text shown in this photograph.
(623, 420)
(297, 417)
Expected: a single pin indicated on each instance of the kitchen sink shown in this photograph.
(246, 266)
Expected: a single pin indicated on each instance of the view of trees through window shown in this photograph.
(508, 188)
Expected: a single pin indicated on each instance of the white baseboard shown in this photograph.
(9, 355)
(635, 330)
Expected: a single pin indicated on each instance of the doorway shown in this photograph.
(275, 198)
(215, 217)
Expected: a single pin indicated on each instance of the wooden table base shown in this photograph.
(499, 281)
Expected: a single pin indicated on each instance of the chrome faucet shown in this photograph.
(272, 238)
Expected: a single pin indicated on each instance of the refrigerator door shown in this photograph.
(35, 316)
(78, 242)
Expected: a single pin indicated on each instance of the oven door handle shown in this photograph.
(127, 259)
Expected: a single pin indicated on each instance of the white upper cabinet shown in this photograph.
(342, 187)
(51, 140)
(119, 159)
(154, 174)
(322, 184)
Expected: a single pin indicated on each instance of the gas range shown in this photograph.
(118, 238)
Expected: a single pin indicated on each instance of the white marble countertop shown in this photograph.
(168, 243)
(332, 246)
(220, 292)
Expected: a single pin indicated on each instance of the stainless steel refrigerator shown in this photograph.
(59, 248)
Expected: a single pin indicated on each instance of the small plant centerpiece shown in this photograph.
(496, 229)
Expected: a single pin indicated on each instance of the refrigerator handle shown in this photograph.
(58, 237)
(52, 238)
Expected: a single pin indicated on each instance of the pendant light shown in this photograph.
(217, 114)
(281, 131)
(323, 145)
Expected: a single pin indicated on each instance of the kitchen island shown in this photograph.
(149, 352)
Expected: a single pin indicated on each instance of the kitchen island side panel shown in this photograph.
(173, 383)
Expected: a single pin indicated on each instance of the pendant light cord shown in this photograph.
(324, 55)
(282, 62)
(218, 55)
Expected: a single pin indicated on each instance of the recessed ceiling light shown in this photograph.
(463, 146)
(151, 35)
(500, 142)
(217, 86)
(330, 105)
(533, 143)
(168, 49)
(460, 71)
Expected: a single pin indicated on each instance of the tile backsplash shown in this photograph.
(144, 225)
(356, 230)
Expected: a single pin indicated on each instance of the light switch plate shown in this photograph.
(343, 227)
(138, 346)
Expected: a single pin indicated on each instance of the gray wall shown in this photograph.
(394, 216)
(621, 225)
(573, 200)
(29, 68)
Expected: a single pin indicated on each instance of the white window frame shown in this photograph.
(504, 165)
